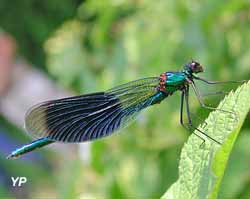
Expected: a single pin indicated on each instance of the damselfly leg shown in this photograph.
(199, 96)
(215, 93)
(189, 125)
(203, 105)
(219, 82)
(198, 118)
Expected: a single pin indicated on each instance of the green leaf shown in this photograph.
(201, 168)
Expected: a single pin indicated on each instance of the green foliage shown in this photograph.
(31, 22)
(201, 169)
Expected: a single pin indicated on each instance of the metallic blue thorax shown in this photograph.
(175, 80)
(170, 82)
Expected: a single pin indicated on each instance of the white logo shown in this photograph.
(18, 181)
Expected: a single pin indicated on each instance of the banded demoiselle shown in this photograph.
(97, 115)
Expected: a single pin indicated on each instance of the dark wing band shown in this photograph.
(91, 116)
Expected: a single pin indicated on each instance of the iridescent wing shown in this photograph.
(91, 116)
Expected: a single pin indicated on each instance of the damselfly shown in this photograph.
(97, 115)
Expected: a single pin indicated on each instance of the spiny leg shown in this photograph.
(190, 123)
(203, 105)
(198, 118)
(215, 93)
(219, 82)
(187, 126)
(181, 111)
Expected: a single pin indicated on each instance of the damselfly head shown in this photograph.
(194, 67)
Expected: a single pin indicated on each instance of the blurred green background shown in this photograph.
(87, 46)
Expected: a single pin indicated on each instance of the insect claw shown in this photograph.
(205, 124)
(202, 145)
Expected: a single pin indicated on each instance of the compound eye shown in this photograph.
(193, 65)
